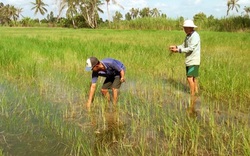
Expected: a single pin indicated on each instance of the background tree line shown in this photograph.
(85, 14)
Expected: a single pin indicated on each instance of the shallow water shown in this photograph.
(29, 135)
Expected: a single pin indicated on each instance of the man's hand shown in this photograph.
(122, 79)
(91, 95)
(173, 48)
(122, 74)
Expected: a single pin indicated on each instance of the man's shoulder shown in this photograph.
(107, 60)
(195, 34)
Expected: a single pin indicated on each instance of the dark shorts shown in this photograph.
(192, 71)
(113, 82)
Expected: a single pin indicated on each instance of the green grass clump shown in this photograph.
(44, 87)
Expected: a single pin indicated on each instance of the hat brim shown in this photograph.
(88, 68)
(191, 26)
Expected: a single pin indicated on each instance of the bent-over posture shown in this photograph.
(113, 70)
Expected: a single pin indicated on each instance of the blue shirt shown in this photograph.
(113, 68)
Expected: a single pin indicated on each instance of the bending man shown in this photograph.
(113, 70)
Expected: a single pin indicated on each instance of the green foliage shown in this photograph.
(146, 24)
(234, 24)
(27, 22)
(80, 16)
(201, 20)
(230, 24)
(117, 17)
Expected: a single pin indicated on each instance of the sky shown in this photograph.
(172, 8)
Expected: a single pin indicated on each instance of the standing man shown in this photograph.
(191, 47)
(113, 70)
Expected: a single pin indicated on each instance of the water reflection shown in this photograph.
(191, 110)
(110, 131)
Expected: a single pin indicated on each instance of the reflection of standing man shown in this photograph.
(191, 47)
(113, 70)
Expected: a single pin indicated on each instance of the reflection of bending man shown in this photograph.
(191, 47)
(113, 70)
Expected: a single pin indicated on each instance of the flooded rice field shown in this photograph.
(54, 122)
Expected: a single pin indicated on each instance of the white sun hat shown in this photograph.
(189, 23)
(90, 63)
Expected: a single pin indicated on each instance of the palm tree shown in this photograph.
(117, 17)
(39, 6)
(155, 12)
(134, 12)
(71, 11)
(1, 10)
(19, 11)
(89, 9)
(7, 13)
(61, 6)
(4, 14)
(145, 12)
(13, 13)
(231, 4)
(247, 10)
(114, 2)
(70, 5)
